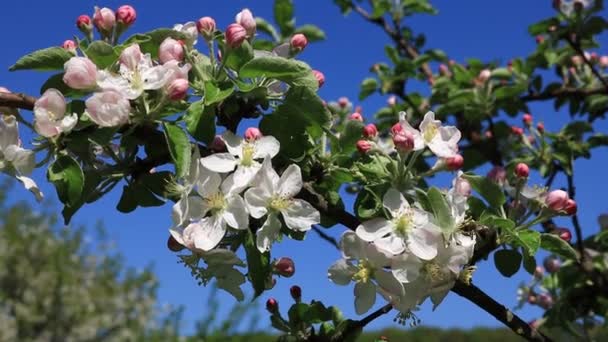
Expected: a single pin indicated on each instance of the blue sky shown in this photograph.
(489, 30)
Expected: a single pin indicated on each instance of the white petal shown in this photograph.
(392, 244)
(341, 272)
(290, 182)
(177, 233)
(394, 202)
(352, 246)
(208, 182)
(234, 143)
(195, 165)
(423, 242)
(9, 131)
(406, 268)
(197, 208)
(267, 177)
(228, 186)
(44, 125)
(230, 281)
(219, 162)
(374, 229)
(179, 211)
(23, 160)
(222, 257)
(235, 213)
(266, 147)
(256, 200)
(211, 231)
(154, 78)
(244, 175)
(268, 233)
(31, 186)
(441, 149)
(388, 282)
(300, 215)
(365, 297)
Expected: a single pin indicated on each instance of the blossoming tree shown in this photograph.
(122, 106)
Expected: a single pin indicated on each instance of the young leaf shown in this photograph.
(555, 244)
(507, 261)
(217, 92)
(67, 176)
(257, 263)
(101, 53)
(287, 70)
(368, 87)
(200, 122)
(441, 209)
(489, 190)
(52, 58)
(179, 148)
(283, 16)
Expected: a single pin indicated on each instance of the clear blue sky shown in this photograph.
(488, 30)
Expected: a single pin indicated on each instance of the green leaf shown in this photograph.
(279, 324)
(312, 33)
(367, 205)
(283, 16)
(264, 26)
(134, 195)
(296, 314)
(529, 263)
(507, 261)
(542, 26)
(529, 239)
(237, 57)
(157, 183)
(258, 264)
(509, 92)
(179, 148)
(368, 87)
(89, 194)
(101, 53)
(317, 313)
(52, 58)
(351, 133)
(501, 73)
(441, 210)
(149, 42)
(215, 92)
(290, 71)
(67, 176)
(489, 190)
(200, 122)
(554, 244)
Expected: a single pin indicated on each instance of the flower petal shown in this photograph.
(422, 242)
(208, 182)
(235, 213)
(269, 233)
(406, 267)
(374, 229)
(234, 143)
(352, 246)
(392, 244)
(387, 281)
(365, 297)
(210, 232)
(394, 202)
(266, 147)
(32, 187)
(244, 175)
(341, 272)
(290, 182)
(300, 215)
(219, 162)
(256, 200)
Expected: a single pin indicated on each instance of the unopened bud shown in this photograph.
(570, 208)
(563, 233)
(370, 131)
(538, 272)
(235, 35)
(69, 45)
(356, 116)
(522, 170)
(284, 267)
(397, 128)
(343, 102)
(84, 24)
(246, 20)
(552, 264)
(484, 75)
(498, 174)
(364, 146)
(444, 70)
(556, 200)
(126, 15)
(454, 162)
(545, 301)
(206, 27)
(517, 130)
(540, 127)
(320, 77)
(178, 89)
(527, 119)
(272, 305)
(170, 50)
(604, 61)
(296, 293)
(391, 101)
(252, 134)
(104, 20)
(404, 141)
(298, 42)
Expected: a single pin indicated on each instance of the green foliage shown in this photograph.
(52, 58)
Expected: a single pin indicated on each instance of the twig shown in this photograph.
(323, 235)
(15, 100)
(575, 223)
(563, 92)
(369, 318)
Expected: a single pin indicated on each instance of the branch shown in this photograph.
(13, 100)
(369, 318)
(575, 223)
(501, 313)
(563, 92)
(323, 235)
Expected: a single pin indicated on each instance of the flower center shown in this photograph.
(434, 272)
(403, 224)
(216, 202)
(279, 203)
(430, 132)
(364, 273)
(248, 151)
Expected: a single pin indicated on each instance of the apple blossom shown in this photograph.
(391, 101)
(343, 102)
(272, 196)
(243, 155)
(364, 146)
(570, 208)
(563, 233)
(368, 274)
(409, 228)
(189, 30)
(320, 77)
(49, 115)
(404, 141)
(284, 267)
(69, 45)
(206, 27)
(298, 42)
(484, 75)
(80, 73)
(252, 134)
(126, 15)
(108, 108)
(235, 35)
(604, 62)
(441, 140)
(527, 119)
(180, 211)
(84, 24)
(246, 20)
(104, 20)
(522, 170)
(552, 264)
(370, 131)
(556, 200)
(169, 50)
(178, 89)
(454, 162)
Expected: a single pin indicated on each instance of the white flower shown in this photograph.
(108, 109)
(136, 74)
(441, 140)
(180, 208)
(273, 195)
(220, 265)
(15, 160)
(225, 206)
(188, 29)
(49, 115)
(370, 266)
(409, 228)
(567, 6)
(242, 154)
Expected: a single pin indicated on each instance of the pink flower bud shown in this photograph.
(517, 130)
(370, 131)
(320, 77)
(173, 245)
(252, 134)
(104, 20)
(83, 22)
(570, 208)
(246, 20)
(131, 56)
(356, 116)
(178, 89)
(552, 264)
(539, 39)
(218, 144)
(404, 141)
(484, 75)
(69, 45)
(462, 187)
(604, 61)
(206, 27)
(235, 35)
(454, 162)
(284, 267)
(272, 305)
(296, 293)
(556, 200)
(126, 15)
(359, 109)
(396, 129)
(170, 50)
(539, 272)
(527, 119)
(343, 102)
(522, 170)
(363, 146)
(540, 127)
(80, 73)
(298, 42)
(498, 174)
(593, 57)
(108, 108)
(564, 234)
(545, 301)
